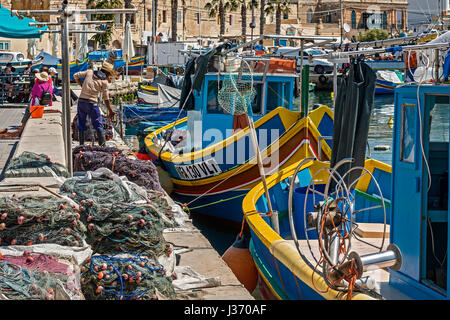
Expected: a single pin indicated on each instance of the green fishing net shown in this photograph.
(121, 216)
(30, 220)
(30, 164)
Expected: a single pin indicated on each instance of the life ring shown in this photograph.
(323, 79)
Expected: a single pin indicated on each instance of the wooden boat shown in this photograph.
(214, 177)
(76, 66)
(412, 263)
(18, 61)
(387, 81)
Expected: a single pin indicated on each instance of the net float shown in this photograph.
(49, 297)
(4, 216)
(174, 276)
(73, 195)
(26, 253)
(104, 266)
(100, 275)
(99, 289)
(138, 280)
(34, 287)
(130, 218)
(142, 264)
(77, 215)
(129, 267)
(20, 219)
(39, 219)
(19, 208)
(13, 242)
(83, 269)
(29, 259)
(74, 223)
(138, 274)
(62, 206)
(91, 226)
(2, 226)
(82, 280)
(89, 218)
(141, 222)
(125, 276)
(50, 290)
(75, 243)
(144, 212)
(29, 243)
(130, 280)
(90, 202)
(41, 237)
(68, 231)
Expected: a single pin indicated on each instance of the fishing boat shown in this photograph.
(18, 61)
(387, 80)
(209, 154)
(75, 66)
(373, 237)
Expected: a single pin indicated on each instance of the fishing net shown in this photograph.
(30, 164)
(29, 220)
(121, 216)
(141, 172)
(237, 92)
(7, 134)
(90, 134)
(36, 276)
(125, 276)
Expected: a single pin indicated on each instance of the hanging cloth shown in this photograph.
(354, 104)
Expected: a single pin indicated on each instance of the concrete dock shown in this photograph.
(45, 136)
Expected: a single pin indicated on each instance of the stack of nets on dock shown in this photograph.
(120, 215)
(141, 172)
(125, 276)
(30, 164)
(41, 271)
(91, 134)
(29, 220)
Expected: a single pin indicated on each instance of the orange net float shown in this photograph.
(240, 261)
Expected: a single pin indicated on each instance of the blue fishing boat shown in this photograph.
(387, 81)
(75, 66)
(383, 235)
(209, 154)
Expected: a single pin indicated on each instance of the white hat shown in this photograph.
(43, 76)
(52, 70)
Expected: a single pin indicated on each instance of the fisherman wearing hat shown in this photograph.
(95, 82)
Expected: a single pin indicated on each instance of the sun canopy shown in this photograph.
(15, 27)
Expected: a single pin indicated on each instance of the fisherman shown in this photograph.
(95, 82)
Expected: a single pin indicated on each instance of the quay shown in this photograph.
(45, 136)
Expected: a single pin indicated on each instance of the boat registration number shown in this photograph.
(204, 169)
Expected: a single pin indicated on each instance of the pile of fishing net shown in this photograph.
(91, 134)
(141, 172)
(125, 276)
(29, 220)
(120, 215)
(44, 271)
(30, 164)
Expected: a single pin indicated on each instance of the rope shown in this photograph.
(218, 201)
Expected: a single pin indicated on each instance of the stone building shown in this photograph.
(305, 17)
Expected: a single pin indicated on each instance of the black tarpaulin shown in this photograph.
(353, 107)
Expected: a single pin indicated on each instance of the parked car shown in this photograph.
(319, 66)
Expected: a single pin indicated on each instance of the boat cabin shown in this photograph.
(273, 90)
(420, 190)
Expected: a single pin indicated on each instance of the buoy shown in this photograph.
(390, 122)
(381, 148)
(240, 261)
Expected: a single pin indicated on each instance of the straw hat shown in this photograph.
(43, 76)
(108, 67)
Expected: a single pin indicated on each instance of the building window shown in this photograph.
(4, 45)
(164, 16)
(353, 19)
(328, 18)
(149, 15)
(384, 20)
(309, 16)
(285, 16)
(179, 16)
(231, 19)
(198, 16)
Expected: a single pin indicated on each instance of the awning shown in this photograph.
(15, 27)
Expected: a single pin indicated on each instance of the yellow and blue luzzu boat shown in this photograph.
(214, 166)
(413, 193)
(284, 273)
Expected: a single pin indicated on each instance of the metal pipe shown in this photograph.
(374, 43)
(66, 91)
(72, 11)
(311, 45)
(72, 31)
(334, 83)
(99, 22)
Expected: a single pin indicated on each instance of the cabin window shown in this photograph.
(212, 103)
(277, 95)
(408, 133)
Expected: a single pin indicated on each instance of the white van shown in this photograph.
(319, 66)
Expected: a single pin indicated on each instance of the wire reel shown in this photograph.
(333, 222)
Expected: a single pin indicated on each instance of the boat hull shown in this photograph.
(384, 87)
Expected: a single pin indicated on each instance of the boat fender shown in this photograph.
(381, 148)
(240, 261)
(323, 79)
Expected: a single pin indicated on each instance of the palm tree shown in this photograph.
(217, 8)
(174, 19)
(262, 15)
(104, 38)
(233, 5)
(128, 5)
(279, 7)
